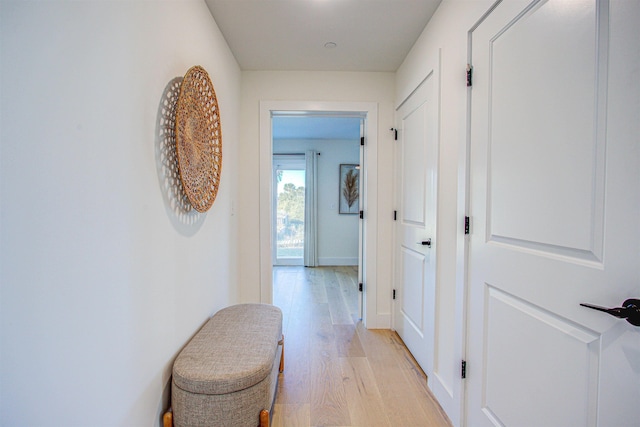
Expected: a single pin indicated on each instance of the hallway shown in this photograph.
(337, 373)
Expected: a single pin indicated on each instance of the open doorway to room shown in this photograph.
(316, 204)
(316, 190)
(274, 148)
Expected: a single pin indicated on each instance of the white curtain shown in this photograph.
(311, 210)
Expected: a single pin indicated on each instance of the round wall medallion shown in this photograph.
(199, 139)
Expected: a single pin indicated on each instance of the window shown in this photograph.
(288, 185)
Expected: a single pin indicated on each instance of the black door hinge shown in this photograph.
(360, 287)
(464, 369)
(395, 215)
(361, 214)
(362, 140)
(469, 75)
(466, 225)
(394, 294)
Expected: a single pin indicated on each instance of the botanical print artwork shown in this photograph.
(349, 189)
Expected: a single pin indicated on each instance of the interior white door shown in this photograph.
(555, 208)
(416, 240)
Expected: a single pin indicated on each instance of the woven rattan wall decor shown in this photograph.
(199, 139)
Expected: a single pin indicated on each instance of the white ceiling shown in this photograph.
(370, 35)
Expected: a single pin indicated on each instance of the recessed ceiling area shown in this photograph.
(313, 127)
(321, 35)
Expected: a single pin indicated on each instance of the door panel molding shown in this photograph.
(413, 273)
(521, 179)
(570, 351)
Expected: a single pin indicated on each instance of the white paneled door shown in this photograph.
(416, 240)
(555, 208)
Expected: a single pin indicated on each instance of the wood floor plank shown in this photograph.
(365, 401)
(417, 378)
(291, 415)
(349, 288)
(328, 404)
(343, 374)
(294, 382)
(284, 284)
(293, 385)
(393, 384)
(340, 314)
(315, 284)
(347, 341)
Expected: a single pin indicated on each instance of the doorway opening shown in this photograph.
(366, 116)
(316, 189)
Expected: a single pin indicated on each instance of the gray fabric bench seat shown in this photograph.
(227, 374)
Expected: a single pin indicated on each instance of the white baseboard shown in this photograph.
(382, 321)
(444, 396)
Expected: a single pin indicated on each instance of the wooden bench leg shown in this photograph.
(264, 418)
(167, 419)
(282, 355)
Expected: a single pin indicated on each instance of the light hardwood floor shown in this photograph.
(337, 373)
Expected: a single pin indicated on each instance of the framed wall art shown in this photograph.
(349, 189)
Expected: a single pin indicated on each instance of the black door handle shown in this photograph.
(426, 243)
(630, 310)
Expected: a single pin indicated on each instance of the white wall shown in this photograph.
(337, 233)
(447, 31)
(100, 282)
(315, 87)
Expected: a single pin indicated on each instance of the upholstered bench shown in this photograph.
(226, 376)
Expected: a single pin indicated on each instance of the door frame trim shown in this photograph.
(368, 110)
(462, 256)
